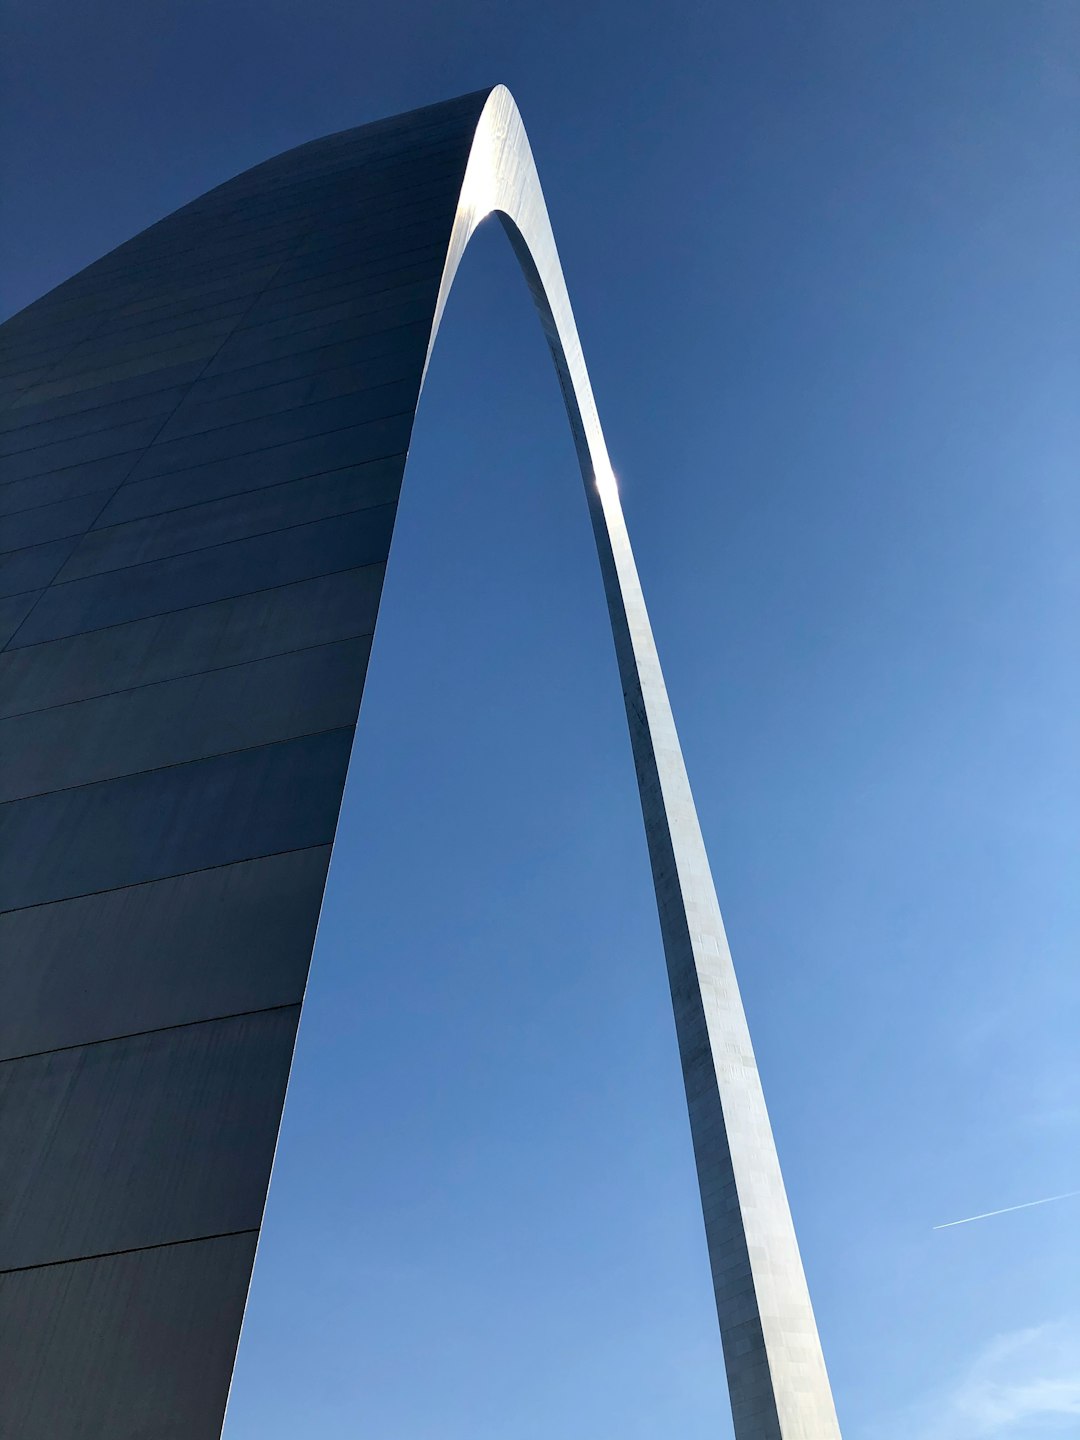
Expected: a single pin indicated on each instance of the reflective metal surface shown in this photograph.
(776, 1372)
(202, 438)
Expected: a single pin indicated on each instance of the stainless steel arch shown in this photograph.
(776, 1372)
(202, 437)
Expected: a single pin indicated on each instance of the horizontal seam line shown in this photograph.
(202, 549)
(124, 476)
(222, 260)
(195, 292)
(273, 291)
(187, 675)
(242, 309)
(158, 879)
(257, 322)
(163, 321)
(222, 322)
(190, 385)
(48, 505)
(199, 549)
(251, 332)
(41, 545)
(275, 414)
(131, 1250)
(206, 348)
(153, 1030)
(239, 304)
(10, 649)
(61, 470)
(316, 277)
(73, 440)
(121, 308)
(310, 186)
(266, 449)
(185, 469)
(434, 250)
(34, 590)
(276, 411)
(226, 246)
(176, 764)
(204, 352)
(98, 409)
(386, 201)
(90, 409)
(162, 311)
(313, 350)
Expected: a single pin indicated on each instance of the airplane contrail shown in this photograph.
(1048, 1200)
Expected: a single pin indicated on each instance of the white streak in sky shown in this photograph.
(1049, 1199)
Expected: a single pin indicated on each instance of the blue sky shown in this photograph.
(823, 261)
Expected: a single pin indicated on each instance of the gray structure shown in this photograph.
(203, 439)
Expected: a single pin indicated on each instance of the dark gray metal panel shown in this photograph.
(95, 354)
(216, 942)
(203, 638)
(340, 300)
(217, 711)
(31, 347)
(23, 342)
(206, 265)
(165, 299)
(86, 400)
(23, 429)
(207, 434)
(33, 566)
(164, 359)
(92, 368)
(130, 1347)
(373, 358)
(312, 386)
(167, 1136)
(237, 517)
(14, 610)
(253, 347)
(328, 251)
(52, 455)
(280, 428)
(51, 522)
(234, 246)
(166, 822)
(376, 440)
(99, 475)
(12, 386)
(134, 329)
(296, 277)
(362, 538)
(33, 357)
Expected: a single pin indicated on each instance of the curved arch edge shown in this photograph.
(776, 1372)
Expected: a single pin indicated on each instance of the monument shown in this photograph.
(203, 437)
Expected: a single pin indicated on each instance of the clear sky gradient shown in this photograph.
(823, 258)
